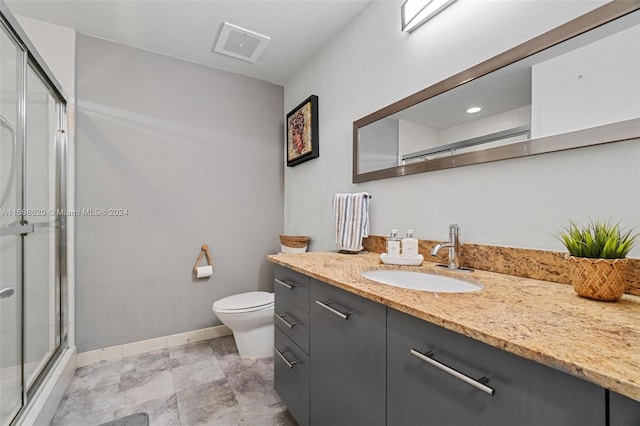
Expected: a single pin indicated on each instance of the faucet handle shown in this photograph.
(453, 231)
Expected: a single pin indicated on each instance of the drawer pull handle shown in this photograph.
(478, 384)
(287, 323)
(6, 292)
(282, 283)
(343, 315)
(290, 364)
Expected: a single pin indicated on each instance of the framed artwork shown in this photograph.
(302, 132)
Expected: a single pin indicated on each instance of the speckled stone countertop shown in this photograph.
(539, 320)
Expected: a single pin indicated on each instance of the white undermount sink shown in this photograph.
(421, 281)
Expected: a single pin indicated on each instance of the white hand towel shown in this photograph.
(352, 220)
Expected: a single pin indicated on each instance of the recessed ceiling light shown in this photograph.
(473, 110)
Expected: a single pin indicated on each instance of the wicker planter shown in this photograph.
(598, 279)
(294, 243)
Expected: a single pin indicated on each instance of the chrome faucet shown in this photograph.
(453, 246)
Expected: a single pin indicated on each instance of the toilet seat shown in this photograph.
(244, 302)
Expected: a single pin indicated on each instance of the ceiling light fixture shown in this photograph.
(473, 110)
(417, 12)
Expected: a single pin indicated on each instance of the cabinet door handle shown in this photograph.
(6, 292)
(290, 364)
(478, 384)
(287, 323)
(343, 315)
(282, 283)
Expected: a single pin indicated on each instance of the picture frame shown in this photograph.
(302, 132)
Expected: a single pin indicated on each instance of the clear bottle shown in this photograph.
(410, 245)
(393, 244)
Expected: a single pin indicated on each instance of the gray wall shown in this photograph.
(516, 203)
(195, 155)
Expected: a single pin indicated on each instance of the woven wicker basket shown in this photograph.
(294, 241)
(599, 279)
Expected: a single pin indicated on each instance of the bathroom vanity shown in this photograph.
(520, 351)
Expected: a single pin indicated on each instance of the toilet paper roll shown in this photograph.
(204, 271)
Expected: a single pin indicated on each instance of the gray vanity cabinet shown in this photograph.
(341, 359)
(623, 411)
(347, 343)
(526, 393)
(291, 356)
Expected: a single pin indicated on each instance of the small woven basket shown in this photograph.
(294, 241)
(598, 279)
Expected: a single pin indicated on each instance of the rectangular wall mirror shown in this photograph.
(576, 85)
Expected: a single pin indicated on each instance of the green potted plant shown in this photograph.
(597, 258)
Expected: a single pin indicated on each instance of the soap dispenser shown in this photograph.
(410, 245)
(393, 244)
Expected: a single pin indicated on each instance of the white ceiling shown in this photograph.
(501, 91)
(188, 29)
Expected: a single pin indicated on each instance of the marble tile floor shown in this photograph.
(204, 383)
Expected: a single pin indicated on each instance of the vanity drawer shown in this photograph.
(292, 321)
(291, 377)
(623, 411)
(291, 285)
(453, 379)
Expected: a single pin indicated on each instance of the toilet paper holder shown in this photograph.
(204, 251)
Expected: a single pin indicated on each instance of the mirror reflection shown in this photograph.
(587, 81)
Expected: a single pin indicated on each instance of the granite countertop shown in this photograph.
(539, 320)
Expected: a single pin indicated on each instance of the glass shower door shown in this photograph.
(41, 257)
(10, 232)
(31, 163)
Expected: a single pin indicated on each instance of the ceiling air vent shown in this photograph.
(240, 43)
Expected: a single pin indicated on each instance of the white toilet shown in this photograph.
(250, 318)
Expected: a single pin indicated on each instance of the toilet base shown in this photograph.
(255, 343)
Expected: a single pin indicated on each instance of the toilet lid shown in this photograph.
(252, 299)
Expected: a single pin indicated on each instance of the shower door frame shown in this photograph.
(60, 221)
(30, 59)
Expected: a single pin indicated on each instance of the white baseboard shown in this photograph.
(115, 353)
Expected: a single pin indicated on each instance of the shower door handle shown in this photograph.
(16, 229)
(6, 292)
